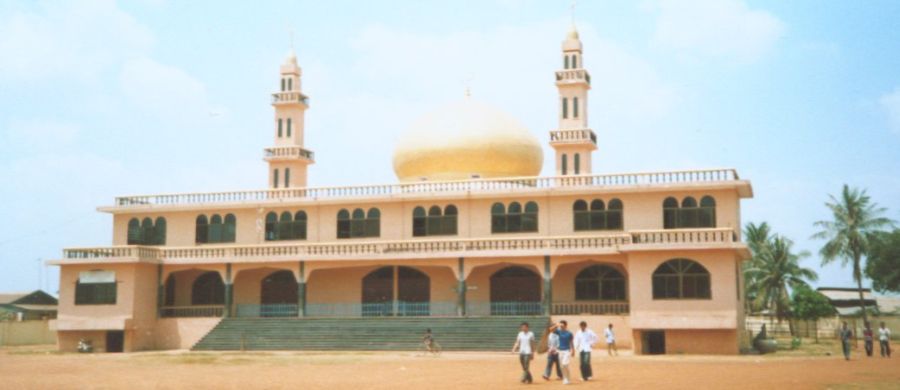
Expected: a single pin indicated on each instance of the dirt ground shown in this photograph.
(42, 368)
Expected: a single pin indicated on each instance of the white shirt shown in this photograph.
(610, 336)
(524, 339)
(884, 334)
(584, 339)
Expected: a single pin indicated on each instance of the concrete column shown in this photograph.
(301, 290)
(548, 288)
(160, 290)
(461, 289)
(229, 293)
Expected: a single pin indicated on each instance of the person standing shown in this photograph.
(584, 340)
(566, 350)
(884, 340)
(552, 356)
(846, 334)
(868, 339)
(525, 346)
(610, 341)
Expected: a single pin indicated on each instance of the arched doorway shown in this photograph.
(278, 295)
(515, 290)
(413, 292)
(208, 289)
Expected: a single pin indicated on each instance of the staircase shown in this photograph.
(369, 334)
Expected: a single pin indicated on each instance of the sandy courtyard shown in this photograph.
(28, 368)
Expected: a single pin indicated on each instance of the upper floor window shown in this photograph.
(288, 127)
(681, 279)
(435, 222)
(275, 179)
(574, 62)
(358, 224)
(599, 216)
(147, 231)
(565, 164)
(574, 104)
(286, 227)
(282, 84)
(215, 229)
(566, 62)
(514, 219)
(599, 283)
(565, 108)
(577, 160)
(290, 87)
(287, 177)
(689, 214)
(95, 288)
(280, 123)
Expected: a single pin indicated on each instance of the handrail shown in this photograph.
(471, 185)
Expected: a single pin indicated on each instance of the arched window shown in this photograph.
(271, 226)
(514, 217)
(290, 88)
(565, 164)
(614, 214)
(565, 108)
(574, 62)
(275, 178)
(159, 231)
(581, 215)
(681, 279)
(229, 231)
(373, 223)
(279, 127)
(707, 212)
(170, 291)
(146, 231)
(498, 218)
(343, 224)
(208, 289)
(298, 232)
(577, 160)
(288, 130)
(600, 216)
(575, 110)
(599, 283)
(530, 217)
(670, 213)
(282, 85)
(134, 232)
(689, 214)
(565, 62)
(284, 225)
(202, 229)
(434, 220)
(287, 177)
(515, 290)
(215, 229)
(420, 224)
(448, 227)
(358, 223)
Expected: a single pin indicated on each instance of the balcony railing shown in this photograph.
(573, 136)
(413, 248)
(289, 97)
(427, 187)
(192, 311)
(573, 75)
(289, 152)
(596, 308)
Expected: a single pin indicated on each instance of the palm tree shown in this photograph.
(774, 271)
(855, 218)
(758, 238)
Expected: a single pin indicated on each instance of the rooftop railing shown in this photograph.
(289, 97)
(573, 135)
(430, 187)
(289, 152)
(573, 75)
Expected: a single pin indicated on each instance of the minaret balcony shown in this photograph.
(573, 76)
(279, 98)
(575, 136)
(289, 153)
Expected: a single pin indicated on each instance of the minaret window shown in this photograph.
(565, 108)
(282, 85)
(565, 164)
(275, 179)
(566, 62)
(288, 128)
(577, 159)
(574, 62)
(290, 85)
(287, 177)
(279, 127)
(574, 113)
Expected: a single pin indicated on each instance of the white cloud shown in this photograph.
(716, 28)
(891, 105)
(40, 134)
(164, 91)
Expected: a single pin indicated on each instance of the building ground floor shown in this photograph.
(656, 301)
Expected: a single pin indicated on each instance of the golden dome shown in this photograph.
(464, 140)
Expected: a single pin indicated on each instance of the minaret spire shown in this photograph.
(573, 140)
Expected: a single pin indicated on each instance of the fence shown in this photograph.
(26, 333)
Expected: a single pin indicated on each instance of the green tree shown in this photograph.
(810, 305)
(758, 238)
(883, 262)
(776, 270)
(854, 219)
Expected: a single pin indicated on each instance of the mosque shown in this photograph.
(470, 237)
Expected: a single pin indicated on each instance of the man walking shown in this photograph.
(584, 340)
(884, 340)
(525, 346)
(552, 356)
(868, 339)
(611, 341)
(566, 350)
(846, 334)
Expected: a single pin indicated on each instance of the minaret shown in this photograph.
(573, 141)
(288, 160)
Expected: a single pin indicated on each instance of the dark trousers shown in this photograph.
(885, 348)
(552, 358)
(845, 346)
(869, 348)
(525, 360)
(586, 371)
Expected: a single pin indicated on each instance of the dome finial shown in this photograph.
(573, 31)
(292, 56)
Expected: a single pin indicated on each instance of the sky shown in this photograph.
(104, 98)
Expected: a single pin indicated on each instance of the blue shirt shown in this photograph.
(565, 339)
